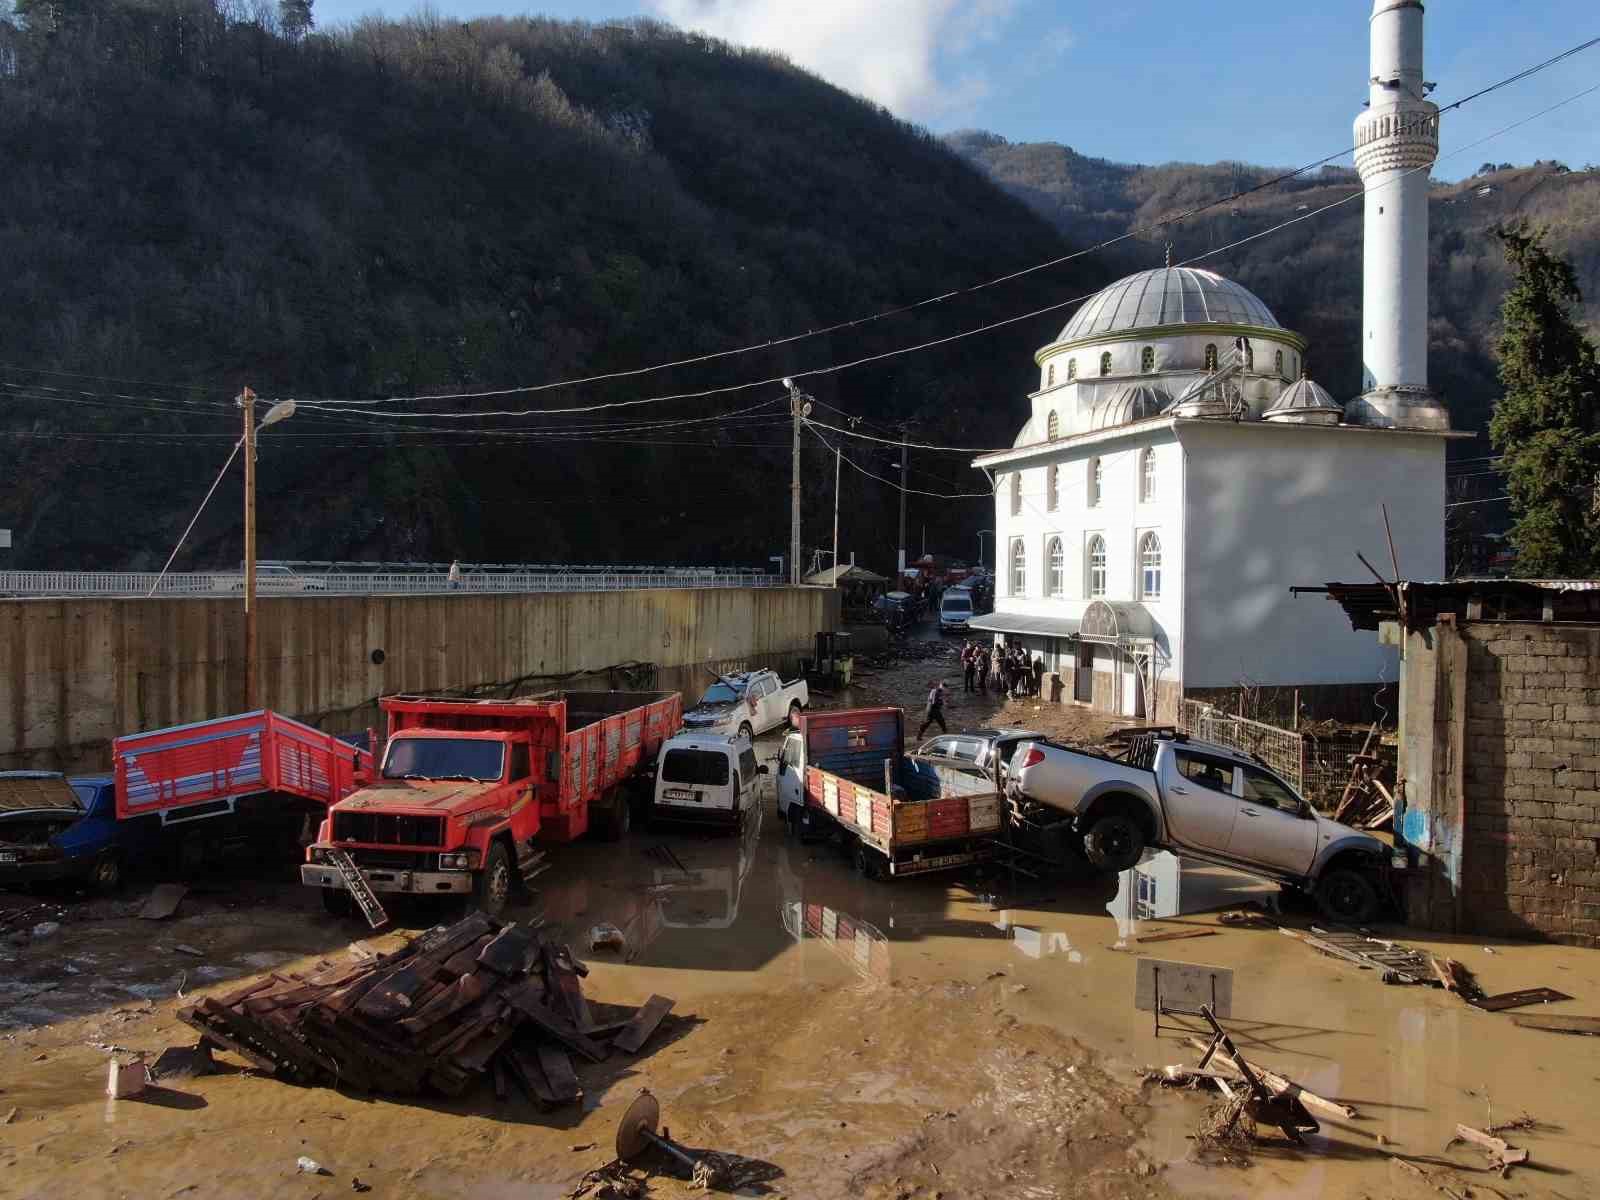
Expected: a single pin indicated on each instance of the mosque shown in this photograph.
(1181, 471)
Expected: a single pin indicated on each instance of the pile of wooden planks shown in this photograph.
(1366, 802)
(459, 1003)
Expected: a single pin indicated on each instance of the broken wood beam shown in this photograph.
(1502, 1155)
(1280, 1084)
(643, 1024)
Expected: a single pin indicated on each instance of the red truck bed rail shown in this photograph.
(166, 770)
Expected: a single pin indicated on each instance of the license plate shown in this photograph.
(7, 856)
(678, 794)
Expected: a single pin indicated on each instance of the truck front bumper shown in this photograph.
(383, 879)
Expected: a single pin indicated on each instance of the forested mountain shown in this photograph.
(193, 200)
(1309, 274)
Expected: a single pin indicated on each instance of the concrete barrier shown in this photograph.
(74, 673)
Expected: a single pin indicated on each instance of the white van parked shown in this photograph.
(707, 779)
(955, 610)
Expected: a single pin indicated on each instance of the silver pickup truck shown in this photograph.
(1208, 802)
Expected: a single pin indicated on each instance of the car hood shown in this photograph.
(38, 794)
(440, 796)
(710, 714)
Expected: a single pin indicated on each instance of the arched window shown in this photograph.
(1019, 568)
(1105, 363)
(1097, 566)
(1277, 362)
(1150, 567)
(1016, 493)
(1147, 359)
(1052, 426)
(1147, 474)
(1072, 368)
(1057, 558)
(1052, 486)
(1096, 479)
(1211, 356)
(1050, 375)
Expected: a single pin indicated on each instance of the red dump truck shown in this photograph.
(847, 772)
(469, 789)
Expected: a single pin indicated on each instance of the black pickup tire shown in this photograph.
(612, 817)
(870, 862)
(492, 887)
(339, 902)
(1347, 896)
(106, 876)
(1114, 842)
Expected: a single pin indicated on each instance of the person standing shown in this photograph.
(455, 575)
(969, 665)
(1038, 674)
(935, 713)
(983, 670)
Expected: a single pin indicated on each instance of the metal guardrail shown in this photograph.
(365, 583)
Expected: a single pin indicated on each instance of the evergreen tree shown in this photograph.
(294, 17)
(1546, 424)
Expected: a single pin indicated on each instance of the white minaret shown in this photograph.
(1397, 139)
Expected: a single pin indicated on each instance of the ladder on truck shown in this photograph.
(366, 899)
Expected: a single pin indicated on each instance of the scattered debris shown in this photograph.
(184, 1062)
(1527, 996)
(46, 929)
(445, 1010)
(310, 1166)
(1171, 935)
(164, 901)
(1502, 1155)
(1366, 802)
(636, 1133)
(1260, 1103)
(1395, 962)
(357, 1186)
(607, 937)
(1281, 1085)
(10, 1116)
(1554, 1024)
(581, 1146)
(127, 1079)
(189, 950)
(361, 951)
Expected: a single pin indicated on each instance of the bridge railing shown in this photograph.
(365, 583)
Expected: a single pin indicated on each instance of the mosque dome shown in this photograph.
(1306, 402)
(1167, 296)
(1131, 402)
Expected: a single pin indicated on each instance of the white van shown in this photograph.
(955, 610)
(706, 779)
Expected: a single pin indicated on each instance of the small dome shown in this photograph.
(1131, 402)
(1305, 400)
(1168, 296)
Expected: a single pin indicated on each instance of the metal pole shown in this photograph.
(900, 582)
(794, 493)
(247, 401)
(838, 461)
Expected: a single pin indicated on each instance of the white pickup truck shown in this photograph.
(1207, 802)
(749, 703)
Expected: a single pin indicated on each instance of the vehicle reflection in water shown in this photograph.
(1163, 886)
(708, 897)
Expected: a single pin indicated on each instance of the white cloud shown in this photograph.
(907, 55)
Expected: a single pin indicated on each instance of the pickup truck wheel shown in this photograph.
(1347, 896)
(746, 732)
(492, 888)
(338, 902)
(795, 710)
(107, 873)
(1114, 843)
(870, 863)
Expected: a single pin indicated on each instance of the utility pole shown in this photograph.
(838, 460)
(799, 408)
(247, 401)
(900, 582)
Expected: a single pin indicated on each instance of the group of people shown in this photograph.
(1014, 673)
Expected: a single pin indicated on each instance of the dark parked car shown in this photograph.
(53, 828)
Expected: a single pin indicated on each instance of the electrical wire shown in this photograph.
(989, 495)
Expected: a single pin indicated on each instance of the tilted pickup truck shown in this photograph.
(1205, 801)
(749, 703)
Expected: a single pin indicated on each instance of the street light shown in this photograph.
(281, 411)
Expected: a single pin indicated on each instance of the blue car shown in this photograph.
(54, 828)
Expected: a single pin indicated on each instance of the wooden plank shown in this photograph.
(1554, 1024)
(1172, 935)
(525, 1069)
(558, 1071)
(527, 1002)
(1521, 999)
(467, 990)
(566, 991)
(212, 1033)
(463, 962)
(163, 902)
(511, 952)
(391, 998)
(502, 1080)
(1280, 1084)
(643, 1024)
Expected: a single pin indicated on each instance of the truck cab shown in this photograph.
(706, 779)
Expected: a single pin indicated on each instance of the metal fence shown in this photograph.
(1281, 749)
(367, 583)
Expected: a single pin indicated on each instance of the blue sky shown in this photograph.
(1149, 80)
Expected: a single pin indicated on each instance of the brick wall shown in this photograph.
(1531, 780)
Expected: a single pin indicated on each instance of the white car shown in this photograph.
(706, 778)
(276, 580)
(748, 704)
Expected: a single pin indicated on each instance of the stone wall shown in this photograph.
(1531, 765)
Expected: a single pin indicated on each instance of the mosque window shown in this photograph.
(1097, 566)
(1016, 493)
(1147, 474)
(1052, 426)
(1072, 368)
(1105, 363)
(1050, 375)
(1211, 356)
(1019, 568)
(1147, 359)
(1150, 567)
(1096, 479)
(1277, 362)
(1052, 487)
(1057, 559)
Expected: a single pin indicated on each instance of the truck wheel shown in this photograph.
(1114, 843)
(1347, 896)
(492, 888)
(795, 822)
(794, 714)
(107, 873)
(612, 817)
(338, 902)
(746, 732)
(870, 862)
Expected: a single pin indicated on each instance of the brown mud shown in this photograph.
(846, 1038)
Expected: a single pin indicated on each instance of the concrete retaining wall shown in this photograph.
(75, 673)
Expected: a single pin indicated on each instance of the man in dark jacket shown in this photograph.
(1038, 674)
(935, 713)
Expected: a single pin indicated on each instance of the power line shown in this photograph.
(892, 483)
(1464, 503)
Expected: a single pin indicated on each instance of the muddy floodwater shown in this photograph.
(849, 1038)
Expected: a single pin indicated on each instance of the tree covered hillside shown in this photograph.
(1309, 274)
(193, 200)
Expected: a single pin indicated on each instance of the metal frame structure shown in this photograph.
(1128, 628)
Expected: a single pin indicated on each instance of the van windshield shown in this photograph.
(708, 768)
(957, 604)
(443, 758)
